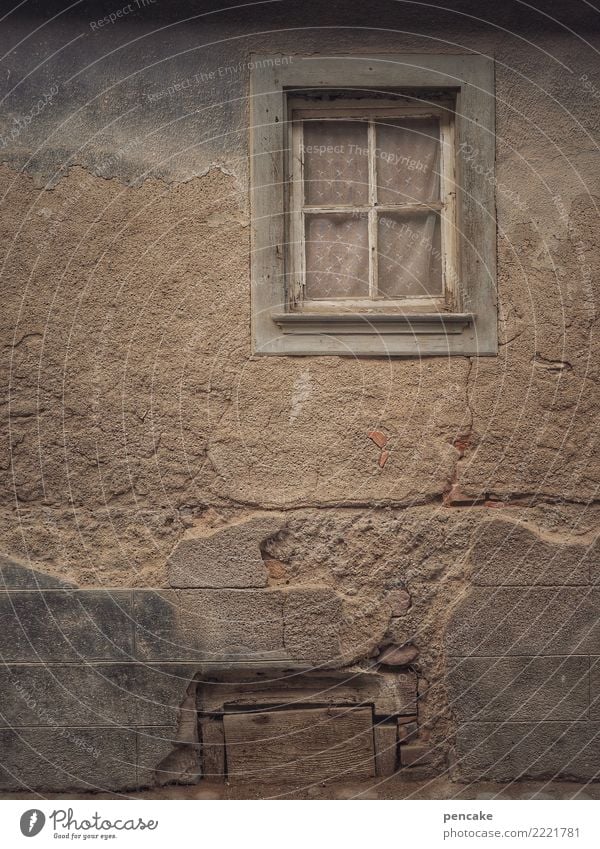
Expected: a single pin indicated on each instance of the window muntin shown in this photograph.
(372, 205)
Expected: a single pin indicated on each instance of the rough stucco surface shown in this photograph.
(136, 420)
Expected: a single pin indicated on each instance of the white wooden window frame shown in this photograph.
(465, 321)
(370, 111)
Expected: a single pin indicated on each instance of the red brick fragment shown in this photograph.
(276, 569)
(456, 496)
(383, 458)
(461, 443)
(378, 437)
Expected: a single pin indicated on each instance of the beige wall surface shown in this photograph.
(134, 415)
(134, 403)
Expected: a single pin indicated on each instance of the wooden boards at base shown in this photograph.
(308, 745)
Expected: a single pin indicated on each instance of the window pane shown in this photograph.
(337, 256)
(409, 255)
(336, 163)
(407, 160)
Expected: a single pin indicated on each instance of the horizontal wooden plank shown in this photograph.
(390, 694)
(315, 744)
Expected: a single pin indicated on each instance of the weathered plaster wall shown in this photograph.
(135, 416)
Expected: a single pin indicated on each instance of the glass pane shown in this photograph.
(337, 256)
(407, 158)
(336, 163)
(409, 255)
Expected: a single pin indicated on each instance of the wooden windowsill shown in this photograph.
(413, 324)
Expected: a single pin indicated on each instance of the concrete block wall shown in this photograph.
(101, 687)
(80, 710)
(523, 646)
(105, 689)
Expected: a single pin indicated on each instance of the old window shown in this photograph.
(371, 211)
(371, 234)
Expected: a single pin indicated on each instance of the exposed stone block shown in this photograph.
(18, 575)
(518, 688)
(88, 696)
(65, 625)
(364, 625)
(300, 625)
(523, 621)
(61, 759)
(209, 625)
(595, 688)
(227, 557)
(312, 623)
(490, 752)
(592, 643)
(181, 763)
(593, 557)
(507, 553)
(234, 624)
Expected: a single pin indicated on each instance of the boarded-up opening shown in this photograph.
(311, 744)
(289, 727)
